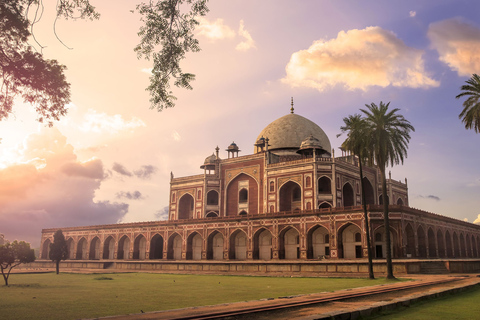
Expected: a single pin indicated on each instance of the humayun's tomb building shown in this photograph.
(291, 200)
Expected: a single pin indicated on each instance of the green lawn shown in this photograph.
(73, 296)
(459, 306)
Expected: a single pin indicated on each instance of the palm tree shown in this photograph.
(389, 134)
(357, 143)
(470, 114)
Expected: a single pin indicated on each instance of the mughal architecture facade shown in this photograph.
(291, 199)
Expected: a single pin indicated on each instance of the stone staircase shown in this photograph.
(433, 267)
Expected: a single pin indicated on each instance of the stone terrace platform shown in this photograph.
(271, 267)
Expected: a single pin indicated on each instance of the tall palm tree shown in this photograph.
(470, 114)
(389, 134)
(357, 143)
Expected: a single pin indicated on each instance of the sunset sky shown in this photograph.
(109, 160)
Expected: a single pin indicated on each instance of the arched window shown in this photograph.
(308, 182)
(272, 186)
(358, 237)
(212, 198)
(243, 213)
(324, 185)
(309, 206)
(243, 196)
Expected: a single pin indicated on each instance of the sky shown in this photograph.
(109, 159)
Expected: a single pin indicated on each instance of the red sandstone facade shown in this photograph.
(289, 200)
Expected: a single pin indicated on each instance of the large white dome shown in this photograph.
(287, 133)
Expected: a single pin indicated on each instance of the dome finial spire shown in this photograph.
(291, 109)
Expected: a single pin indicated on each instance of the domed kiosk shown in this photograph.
(286, 134)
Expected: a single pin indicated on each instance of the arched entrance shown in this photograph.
(432, 245)
(140, 248)
(94, 253)
(194, 246)
(174, 250)
(185, 207)
(422, 243)
(350, 239)
(156, 247)
(71, 248)
(347, 194)
(289, 244)
(238, 245)
(290, 196)
(462, 246)
(440, 244)
(215, 246)
(109, 248)
(324, 185)
(262, 245)
(82, 249)
(368, 189)
(46, 249)
(318, 242)
(448, 243)
(456, 247)
(123, 251)
(410, 250)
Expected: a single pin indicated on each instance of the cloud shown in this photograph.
(215, 30)
(136, 195)
(475, 183)
(101, 122)
(430, 197)
(119, 168)
(58, 194)
(248, 43)
(412, 14)
(477, 220)
(90, 169)
(162, 214)
(465, 219)
(145, 172)
(358, 59)
(458, 45)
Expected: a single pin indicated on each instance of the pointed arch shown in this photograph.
(262, 244)
(410, 235)
(368, 189)
(318, 242)
(242, 194)
(325, 205)
(238, 245)
(348, 195)
(212, 198)
(440, 244)
(140, 247)
(94, 253)
(432, 243)
(290, 196)
(185, 206)
(46, 249)
(462, 245)
(194, 246)
(448, 244)
(289, 243)
(380, 199)
(349, 241)
(82, 249)
(324, 185)
(212, 214)
(123, 250)
(156, 247)
(422, 242)
(215, 244)
(71, 248)
(174, 247)
(469, 246)
(456, 246)
(109, 248)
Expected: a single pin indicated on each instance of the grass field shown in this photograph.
(73, 296)
(462, 306)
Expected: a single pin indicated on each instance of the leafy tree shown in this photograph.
(357, 142)
(167, 35)
(58, 249)
(470, 114)
(14, 254)
(389, 134)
